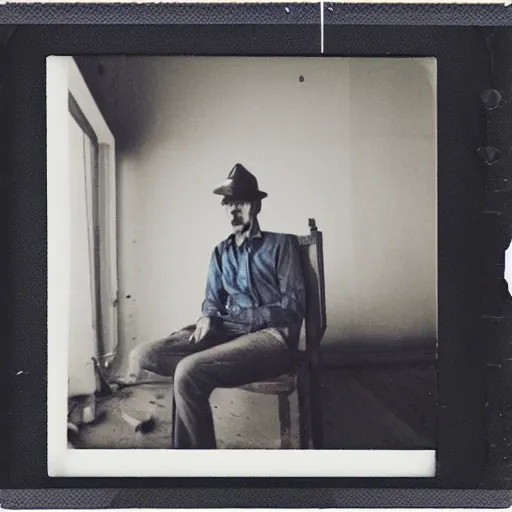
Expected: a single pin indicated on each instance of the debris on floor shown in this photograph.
(370, 399)
(144, 426)
(73, 433)
(133, 418)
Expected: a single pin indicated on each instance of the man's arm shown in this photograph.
(214, 302)
(291, 306)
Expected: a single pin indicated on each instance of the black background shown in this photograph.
(473, 446)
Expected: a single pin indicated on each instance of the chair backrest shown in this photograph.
(313, 265)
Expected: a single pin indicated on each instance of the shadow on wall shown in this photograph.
(108, 81)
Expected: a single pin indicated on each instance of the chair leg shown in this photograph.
(317, 420)
(284, 420)
(173, 419)
(304, 398)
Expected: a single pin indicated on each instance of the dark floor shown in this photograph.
(380, 408)
(363, 408)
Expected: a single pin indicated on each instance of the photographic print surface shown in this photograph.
(249, 252)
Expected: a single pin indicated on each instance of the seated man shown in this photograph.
(251, 317)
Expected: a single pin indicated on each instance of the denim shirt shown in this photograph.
(259, 284)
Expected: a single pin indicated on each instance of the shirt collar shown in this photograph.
(254, 232)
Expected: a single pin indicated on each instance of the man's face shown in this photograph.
(239, 214)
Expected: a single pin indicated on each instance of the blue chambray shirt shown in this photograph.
(258, 285)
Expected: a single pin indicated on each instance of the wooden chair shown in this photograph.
(304, 378)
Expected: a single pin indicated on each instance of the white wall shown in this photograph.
(394, 201)
(353, 146)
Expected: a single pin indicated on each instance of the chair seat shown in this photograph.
(285, 383)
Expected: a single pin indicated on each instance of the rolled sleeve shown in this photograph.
(214, 302)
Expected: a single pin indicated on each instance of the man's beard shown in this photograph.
(239, 226)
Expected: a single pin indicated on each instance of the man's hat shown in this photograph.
(240, 185)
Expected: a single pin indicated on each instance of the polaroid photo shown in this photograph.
(242, 266)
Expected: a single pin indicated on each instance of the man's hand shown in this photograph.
(203, 327)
